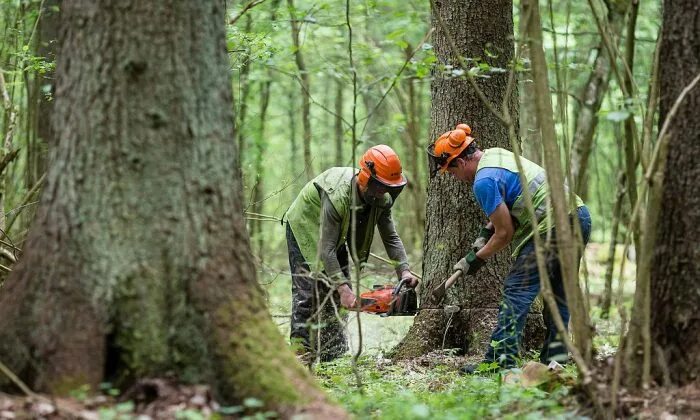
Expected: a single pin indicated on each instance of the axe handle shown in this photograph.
(453, 278)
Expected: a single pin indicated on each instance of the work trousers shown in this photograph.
(520, 289)
(316, 326)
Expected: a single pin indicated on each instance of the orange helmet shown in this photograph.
(449, 145)
(382, 164)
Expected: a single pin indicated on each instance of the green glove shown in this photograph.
(484, 235)
(470, 264)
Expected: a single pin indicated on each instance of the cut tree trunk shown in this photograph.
(675, 290)
(453, 218)
(139, 263)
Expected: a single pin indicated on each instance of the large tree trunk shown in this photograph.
(453, 217)
(139, 263)
(675, 290)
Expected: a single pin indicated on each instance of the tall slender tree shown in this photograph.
(139, 263)
(675, 291)
(305, 87)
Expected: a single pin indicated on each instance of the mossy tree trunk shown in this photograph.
(453, 218)
(139, 263)
(675, 290)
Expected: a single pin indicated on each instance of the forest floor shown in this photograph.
(379, 388)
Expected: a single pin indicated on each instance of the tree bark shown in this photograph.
(452, 216)
(139, 263)
(675, 291)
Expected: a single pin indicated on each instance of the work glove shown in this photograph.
(409, 279)
(470, 264)
(484, 235)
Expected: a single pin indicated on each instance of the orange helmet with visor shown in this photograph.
(381, 177)
(448, 146)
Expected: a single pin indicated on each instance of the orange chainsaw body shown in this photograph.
(390, 300)
(379, 300)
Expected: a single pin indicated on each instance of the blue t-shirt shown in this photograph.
(493, 186)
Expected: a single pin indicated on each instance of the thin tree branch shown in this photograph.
(246, 8)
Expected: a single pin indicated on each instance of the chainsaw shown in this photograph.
(390, 300)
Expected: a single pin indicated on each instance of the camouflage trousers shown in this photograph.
(316, 326)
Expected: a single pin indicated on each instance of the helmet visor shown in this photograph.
(436, 163)
(381, 195)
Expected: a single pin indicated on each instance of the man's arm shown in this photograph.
(504, 230)
(331, 226)
(394, 247)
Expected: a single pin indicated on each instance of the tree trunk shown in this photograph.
(45, 87)
(415, 157)
(453, 218)
(256, 230)
(591, 98)
(305, 90)
(139, 263)
(293, 147)
(530, 136)
(244, 91)
(339, 131)
(40, 104)
(675, 291)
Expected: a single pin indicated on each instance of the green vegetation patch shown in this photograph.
(407, 391)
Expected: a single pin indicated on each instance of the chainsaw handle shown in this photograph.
(453, 278)
(398, 287)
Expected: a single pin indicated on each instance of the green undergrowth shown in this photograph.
(405, 391)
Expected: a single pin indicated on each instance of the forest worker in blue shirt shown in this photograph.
(340, 206)
(493, 174)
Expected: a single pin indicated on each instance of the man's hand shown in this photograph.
(484, 235)
(410, 280)
(347, 297)
(470, 264)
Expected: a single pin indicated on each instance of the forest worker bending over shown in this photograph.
(493, 174)
(340, 206)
